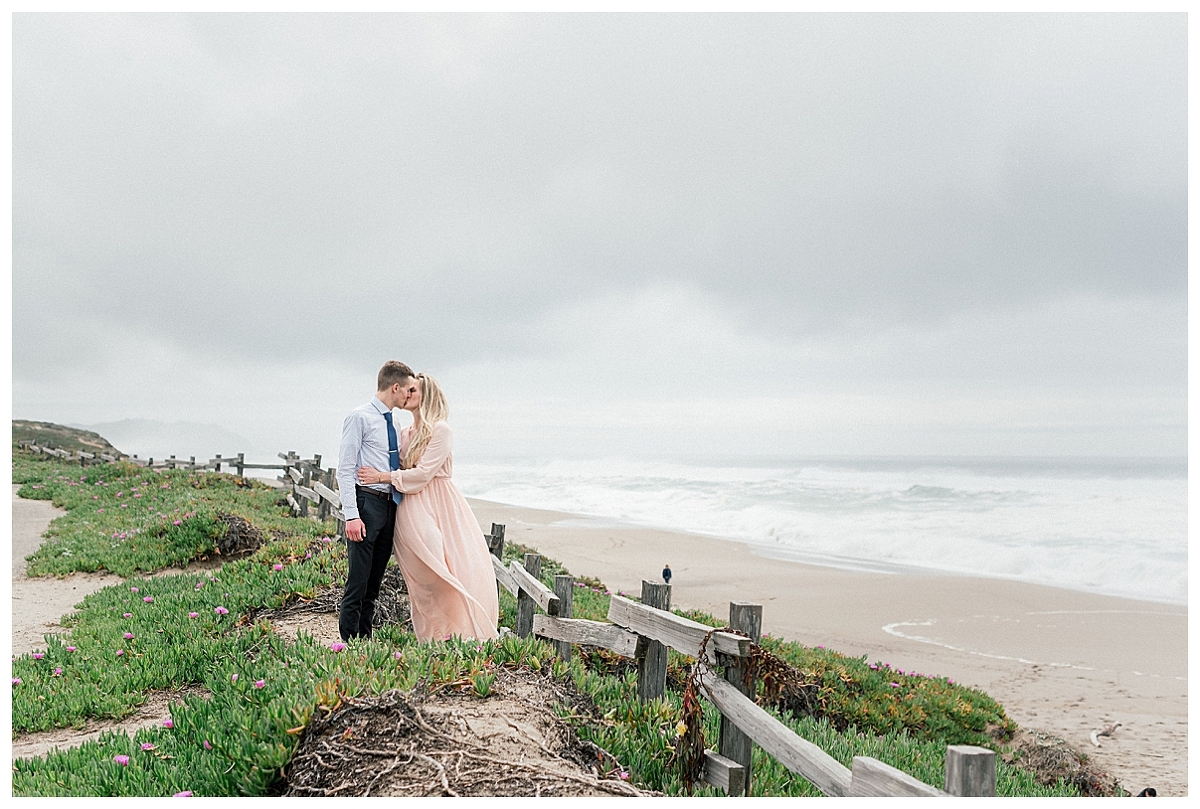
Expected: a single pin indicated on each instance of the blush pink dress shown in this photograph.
(440, 548)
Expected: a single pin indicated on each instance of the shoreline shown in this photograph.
(1064, 661)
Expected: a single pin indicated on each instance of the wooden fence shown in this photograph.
(642, 631)
(310, 490)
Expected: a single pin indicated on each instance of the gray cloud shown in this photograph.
(460, 190)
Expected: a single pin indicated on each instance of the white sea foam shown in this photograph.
(1109, 526)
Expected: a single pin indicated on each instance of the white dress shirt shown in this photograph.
(364, 443)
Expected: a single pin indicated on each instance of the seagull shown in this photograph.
(1108, 731)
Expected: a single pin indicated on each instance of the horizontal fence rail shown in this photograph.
(643, 631)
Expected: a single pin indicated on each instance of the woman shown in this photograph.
(441, 551)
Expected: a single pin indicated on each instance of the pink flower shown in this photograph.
(308, 555)
(122, 760)
(193, 615)
(95, 497)
(894, 685)
(128, 615)
(133, 589)
(220, 611)
(148, 599)
(70, 648)
(623, 775)
(58, 672)
(187, 793)
(873, 667)
(278, 567)
(147, 746)
(326, 540)
(37, 655)
(120, 652)
(199, 584)
(207, 746)
(16, 680)
(260, 684)
(128, 636)
(820, 647)
(233, 679)
(99, 511)
(167, 723)
(337, 647)
(399, 655)
(177, 522)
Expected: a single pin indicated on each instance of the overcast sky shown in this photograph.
(636, 235)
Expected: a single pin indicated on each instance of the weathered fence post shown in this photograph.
(564, 588)
(497, 541)
(970, 771)
(650, 654)
(735, 745)
(525, 604)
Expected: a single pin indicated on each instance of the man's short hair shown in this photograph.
(393, 372)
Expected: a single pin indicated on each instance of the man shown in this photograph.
(369, 438)
(667, 574)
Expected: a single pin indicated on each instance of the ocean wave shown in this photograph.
(1120, 535)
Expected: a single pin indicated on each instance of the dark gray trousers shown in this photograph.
(368, 562)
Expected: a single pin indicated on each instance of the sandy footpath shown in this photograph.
(38, 604)
(1058, 660)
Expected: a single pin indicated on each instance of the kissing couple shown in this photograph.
(397, 497)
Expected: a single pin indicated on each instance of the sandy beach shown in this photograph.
(1060, 661)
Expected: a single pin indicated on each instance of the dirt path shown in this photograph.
(156, 709)
(38, 604)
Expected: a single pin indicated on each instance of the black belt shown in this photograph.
(373, 492)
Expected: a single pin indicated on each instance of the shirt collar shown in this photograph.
(379, 406)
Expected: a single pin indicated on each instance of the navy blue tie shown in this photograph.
(393, 453)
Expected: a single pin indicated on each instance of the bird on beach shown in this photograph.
(1108, 731)
(1148, 792)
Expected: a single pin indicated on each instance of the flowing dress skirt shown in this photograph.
(446, 564)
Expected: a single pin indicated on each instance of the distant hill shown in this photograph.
(56, 435)
(148, 438)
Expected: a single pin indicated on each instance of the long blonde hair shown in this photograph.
(432, 410)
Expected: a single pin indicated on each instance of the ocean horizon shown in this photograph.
(1109, 525)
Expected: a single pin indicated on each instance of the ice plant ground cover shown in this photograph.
(190, 629)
